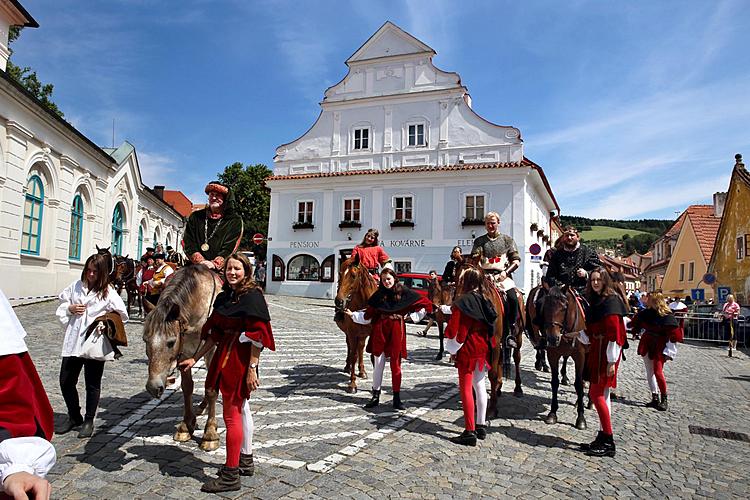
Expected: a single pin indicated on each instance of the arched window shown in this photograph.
(168, 240)
(31, 235)
(76, 228)
(140, 241)
(303, 268)
(117, 218)
(156, 239)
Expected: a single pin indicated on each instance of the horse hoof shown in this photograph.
(551, 419)
(362, 374)
(589, 405)
(518, 392)
(209, 445)
(581, 424)
(545, 369)
(182, 437)
(564, 382)
(439, 356)
(351, 390)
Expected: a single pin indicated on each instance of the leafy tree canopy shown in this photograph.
(252, 198)
(29, 79)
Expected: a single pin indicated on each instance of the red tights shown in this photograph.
(596, 393)
(661, 380)
(233, 421)
(467, 399)
(396, 373)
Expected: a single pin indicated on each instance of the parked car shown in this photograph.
(416, 281)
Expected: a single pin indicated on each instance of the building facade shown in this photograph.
(61, 195)
(731, 258)
(398, 147)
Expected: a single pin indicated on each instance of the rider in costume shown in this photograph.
(606, 331)
(499, 257)
(214, 232)
(449, 273)
(155, 285)
(571, 262)
(174, 257)
(371, 254)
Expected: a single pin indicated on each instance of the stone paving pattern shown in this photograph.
(313, 440)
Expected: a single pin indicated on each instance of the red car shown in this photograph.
(416, 281)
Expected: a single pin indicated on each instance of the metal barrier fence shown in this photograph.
(708, 327)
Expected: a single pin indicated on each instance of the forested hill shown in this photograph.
(622, 236)
(655, 226)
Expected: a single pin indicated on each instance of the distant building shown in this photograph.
(398, 147)
(624, 267)
(730, 261)
(61, 194)
(177, 200)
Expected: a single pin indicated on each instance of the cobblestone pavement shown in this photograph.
(314, 440)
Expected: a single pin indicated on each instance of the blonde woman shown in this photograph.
(730, 314)
(657, 345)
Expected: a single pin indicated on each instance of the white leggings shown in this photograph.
(378, 366)
(650, 377)
(480, 395)
(247, 428)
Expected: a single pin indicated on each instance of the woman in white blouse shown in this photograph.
(80, 304)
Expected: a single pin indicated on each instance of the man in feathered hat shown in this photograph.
(214, 232)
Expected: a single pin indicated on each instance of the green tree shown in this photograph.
(252, 199)
(28, 78)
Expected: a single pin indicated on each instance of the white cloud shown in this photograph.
(157, 169)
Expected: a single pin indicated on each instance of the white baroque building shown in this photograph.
(398, 147)
(61, 195)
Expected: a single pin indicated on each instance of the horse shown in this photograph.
(354, 288)
(501, 354)
(563, 320)
(125, 273)
(172, 333)
(440, 296)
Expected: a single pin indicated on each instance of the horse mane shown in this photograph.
(558, 294)
(177, 294)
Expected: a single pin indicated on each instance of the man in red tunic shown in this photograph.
(26, 418)
(371, 254)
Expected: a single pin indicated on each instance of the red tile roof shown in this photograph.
(706, 227)
(525, 163)
(179, 202)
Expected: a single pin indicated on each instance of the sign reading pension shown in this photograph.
(304, 244)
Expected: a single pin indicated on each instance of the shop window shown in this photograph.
(303, 268)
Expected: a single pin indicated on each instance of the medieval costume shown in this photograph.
(237, 323)
(155, 285)
(496, 255)
(657, 346)
(76, 326)
(470, 339)
(26, 417)
(606, 331)
(385, 310)
(564, 263)
(372, 257)
(174, 256)
(210, 236)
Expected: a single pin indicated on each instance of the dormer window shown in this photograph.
(361, 139)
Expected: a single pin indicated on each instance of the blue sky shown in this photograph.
(634, 109)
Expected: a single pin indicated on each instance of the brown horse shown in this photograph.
(563, 320)
(439, 295)
(501, 354)
(172, 333)
(354, 288)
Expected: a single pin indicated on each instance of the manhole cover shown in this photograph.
(719, 433)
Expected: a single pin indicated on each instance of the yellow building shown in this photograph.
(692, 252)
(731, 258)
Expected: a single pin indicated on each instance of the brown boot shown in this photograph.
(247, 466)
(228, 480)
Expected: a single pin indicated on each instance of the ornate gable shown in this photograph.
(388, 41)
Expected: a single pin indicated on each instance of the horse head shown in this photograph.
(354, 287)
(172, 330)
(559, 312)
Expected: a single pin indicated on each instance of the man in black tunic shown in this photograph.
(572, 262)
(498, 255)
(214, 232)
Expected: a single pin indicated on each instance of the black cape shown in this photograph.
(477, 307)
(611, 304)
(384, 300)
(250, 303)
(652, 317)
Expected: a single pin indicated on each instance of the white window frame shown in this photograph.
(312, 212)
(343, 209)
(355, 129)
(425, 135)
(393, 206)
(465, 206)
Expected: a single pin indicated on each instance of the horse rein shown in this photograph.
(566, 332)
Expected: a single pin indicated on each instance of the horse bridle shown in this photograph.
(564, 330)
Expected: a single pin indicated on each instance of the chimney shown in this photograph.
(719, 200)
(159, 190)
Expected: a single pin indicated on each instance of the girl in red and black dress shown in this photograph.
(606, 331)
(240, 327)
(469, 338)
(371, 254)
(385, 310)
(662, 332)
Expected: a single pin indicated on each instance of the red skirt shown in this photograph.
(389, 337)
(596, 363)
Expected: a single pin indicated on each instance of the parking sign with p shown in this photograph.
(722, 293)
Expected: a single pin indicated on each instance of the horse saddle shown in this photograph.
(502, 285)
